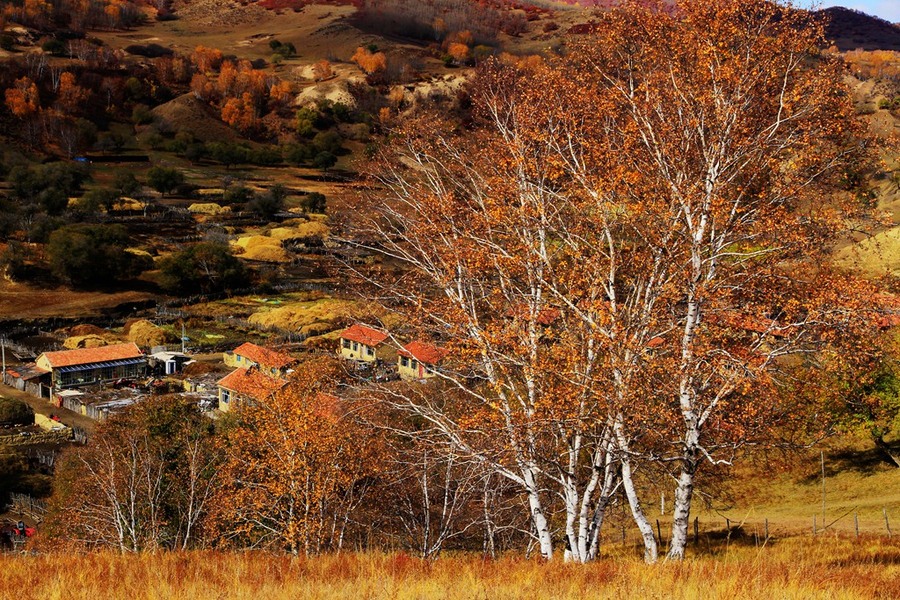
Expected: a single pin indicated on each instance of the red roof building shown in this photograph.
(84, 356)
(417, 360)
(362, 343)
(246, 386)
(85, 366)
(271, 362)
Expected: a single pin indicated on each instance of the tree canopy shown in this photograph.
(625, 275)
(93, 254)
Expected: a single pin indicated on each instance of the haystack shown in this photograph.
(304, 229)
(261, 248)
(84, 341)
(208, 208)
(145, 334)
(319, 315)
(86, 329)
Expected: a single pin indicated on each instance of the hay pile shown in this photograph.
(86, 329)
(145, 334)
(302, 229)
(208, 208)
(261, 248)
(312, 317)
(84, 341)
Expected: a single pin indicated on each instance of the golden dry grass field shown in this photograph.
(797, 568)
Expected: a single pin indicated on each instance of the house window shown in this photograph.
(414, 364)
(404, 362)
(345, 343)
(238, 358)
(370, 351)
(226, 396)
(355, 346)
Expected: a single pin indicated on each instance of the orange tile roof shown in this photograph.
(86, 356)
(364, 335)
(264, 356)
(252, 383)
(423, 352)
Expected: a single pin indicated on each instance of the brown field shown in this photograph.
(789, 569)
(23, 301)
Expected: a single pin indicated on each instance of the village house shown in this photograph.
(365, 344)
(86, 366)
(418, 360)
(246, 386)
(270, 362)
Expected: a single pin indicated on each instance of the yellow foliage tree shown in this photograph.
(293, 460)
(369, 62)
(23, 99)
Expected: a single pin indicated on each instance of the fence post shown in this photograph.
(887, 523)
(767, 530)
(815, 526)
(856, 524)
(659, 532)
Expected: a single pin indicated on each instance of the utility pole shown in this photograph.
(182, 336)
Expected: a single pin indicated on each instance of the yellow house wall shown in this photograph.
(231, 360)
(43, 363)
(412, 373)
(226, 406)
(358, 354)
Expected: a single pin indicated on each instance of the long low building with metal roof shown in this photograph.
(86, 366)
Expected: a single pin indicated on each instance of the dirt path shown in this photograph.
(43, 407)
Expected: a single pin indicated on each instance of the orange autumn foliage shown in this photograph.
(206, 59)
(369, 62)
(70, 95)
(291, 459)
(23, 99)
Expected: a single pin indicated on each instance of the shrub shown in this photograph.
(15, 412)
(206, 267)
(54, 46)
(324, 160)
(92, 254)
(314, 202)
(269, 204)
(164, 179)
(237, 195)
(141, 115)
